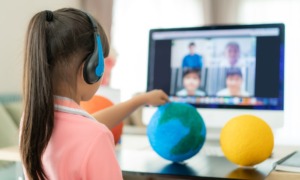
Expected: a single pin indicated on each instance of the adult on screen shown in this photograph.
(232, 56)
(192, 60)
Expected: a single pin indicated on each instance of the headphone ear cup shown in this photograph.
(85, 71)
(89, 69)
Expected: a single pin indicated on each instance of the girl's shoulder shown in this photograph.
(80, 126)
(72, 120)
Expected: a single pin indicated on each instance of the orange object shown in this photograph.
(98, 103)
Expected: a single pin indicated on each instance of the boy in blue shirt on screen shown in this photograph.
(192, 60)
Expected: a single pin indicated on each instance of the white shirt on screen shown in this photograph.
(226, 92)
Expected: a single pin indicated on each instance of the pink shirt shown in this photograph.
(80, 147)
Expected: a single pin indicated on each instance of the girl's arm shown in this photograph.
(115, 114)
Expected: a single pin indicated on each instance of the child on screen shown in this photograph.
(234, 82)
(191, 83)
(59, 140)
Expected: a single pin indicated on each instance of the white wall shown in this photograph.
(287, 12)
(132, 20)
(14, 18)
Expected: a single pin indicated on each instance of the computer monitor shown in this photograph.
(223, 71)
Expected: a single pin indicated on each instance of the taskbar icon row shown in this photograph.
(242, 101)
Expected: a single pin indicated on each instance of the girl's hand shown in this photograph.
(155, 97)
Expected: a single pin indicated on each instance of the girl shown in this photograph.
(59, 140)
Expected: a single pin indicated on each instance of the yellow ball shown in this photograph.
(246, 140)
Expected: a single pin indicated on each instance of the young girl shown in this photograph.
(59, 140)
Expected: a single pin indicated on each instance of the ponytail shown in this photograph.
(38, 117)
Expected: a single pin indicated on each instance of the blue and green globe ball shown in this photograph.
(176, 131)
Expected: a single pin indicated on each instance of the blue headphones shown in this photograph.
(94, 65)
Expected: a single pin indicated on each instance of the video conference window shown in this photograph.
(213, 67)
(238, 67)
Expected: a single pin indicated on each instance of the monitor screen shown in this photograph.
(236, 66)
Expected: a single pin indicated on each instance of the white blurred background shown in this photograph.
(130, 22)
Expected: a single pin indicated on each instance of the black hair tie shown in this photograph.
(49, 15)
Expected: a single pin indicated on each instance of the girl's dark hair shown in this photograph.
(52, 45)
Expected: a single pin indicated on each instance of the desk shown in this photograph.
(138, 161)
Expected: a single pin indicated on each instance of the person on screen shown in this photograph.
(191, 83)
(234, 81)
(192, 60)
(232, 56)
